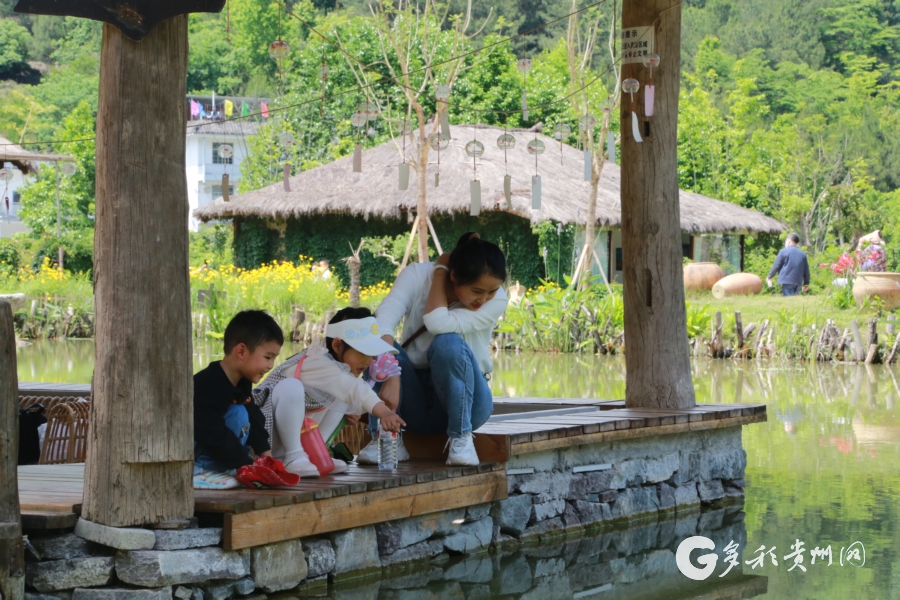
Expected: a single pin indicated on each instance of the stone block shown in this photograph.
(471, 537)
(690, 468)
(549, 485)
(65, 547)
(218, 590)
(733, 494)
(157, 568)
(60, 595)
(478, 592)
(514, 578)
(277, 567)
(121, 538)
(244, 586)
(512, 514)
(686, 495)
(182, 539)
(406, 532)
(666, 495)
(710, 521)
(628, 473)
(583, 485)
(710, 491)
(728, 465)
(421, 551)
(591, 513)
(645, 500)
(319, 557)
(356, 552)
(570, 519)
(607, 496)
(478, 512)
(548, 510)
(738, 483)
(197, 594)
(164, 593)
(182, 593)
(57, 575)
(474, 569)
(662, 468)
(544, 530)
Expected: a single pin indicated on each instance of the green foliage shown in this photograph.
(841, 296)
(9, 255)
(76, 193)
(254, 243)
(14, 40)
(212, 245)
(556, 244)
(698, 319)
(78, 251)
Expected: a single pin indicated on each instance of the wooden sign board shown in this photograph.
(637, 44)
(135, 19)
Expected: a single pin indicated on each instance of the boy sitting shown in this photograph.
(227, 424)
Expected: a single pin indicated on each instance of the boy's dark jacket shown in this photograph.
(213, 396)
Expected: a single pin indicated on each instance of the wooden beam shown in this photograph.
(656, 348)
(627, 434)
(295, 521)
(12, 556)
(140, 451)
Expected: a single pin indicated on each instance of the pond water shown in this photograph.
(824, 470)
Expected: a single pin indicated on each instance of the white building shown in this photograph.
(205, 168)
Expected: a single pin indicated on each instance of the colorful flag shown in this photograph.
(265, 109)
(195, 108)
(229, 108)
(245, 109)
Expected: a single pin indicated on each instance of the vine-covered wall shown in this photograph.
(328, 237)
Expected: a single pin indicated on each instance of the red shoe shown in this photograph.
(266, 472)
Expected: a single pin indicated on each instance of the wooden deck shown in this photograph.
(51, 495)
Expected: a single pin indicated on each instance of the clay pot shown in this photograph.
(738, 284)
(701, 275)
(884, 285)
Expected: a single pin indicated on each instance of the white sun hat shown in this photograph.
(360, 334)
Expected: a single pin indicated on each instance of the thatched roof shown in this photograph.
(25, 160)
(335, 188)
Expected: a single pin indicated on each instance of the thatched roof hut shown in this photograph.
(335, 188)
(25, 160)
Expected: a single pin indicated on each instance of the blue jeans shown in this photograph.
(451, 396)
(790, 290)
(237, 420)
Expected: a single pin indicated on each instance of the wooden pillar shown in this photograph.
(12, 559)
(656, 351)
(139, 459)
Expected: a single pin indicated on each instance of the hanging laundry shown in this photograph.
(195, 108)
(245, 109)
(203, 114)
(229, 108)
(265, 109)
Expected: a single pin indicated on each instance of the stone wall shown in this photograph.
(552, 495)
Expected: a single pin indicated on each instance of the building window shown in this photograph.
(217, 190)
(16, 196)
(218, 160)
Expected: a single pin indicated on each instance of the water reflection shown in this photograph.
(822, 470)
(624, 564)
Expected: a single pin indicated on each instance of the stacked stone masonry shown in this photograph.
(552, 494)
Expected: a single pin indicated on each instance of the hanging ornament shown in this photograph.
(404, 127)
(442, 91)
(323, 75)
(225, 151)
(506, 142)
(586, 122)
(369, 110)
(358, 120)
(630, 86)
(561, 131)
(6, 174)
(286, 139)
(535, 147)
(438, 142)
(475, 149)
(650, 89)
(279, 49)
(524, 66)
(68, 169)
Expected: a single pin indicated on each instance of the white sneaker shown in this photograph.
(339, 467)
(213, 480)
(462, 451)
(369, 454)
(302, 467)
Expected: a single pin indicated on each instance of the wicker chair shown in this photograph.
(65, 441)
(48, 402)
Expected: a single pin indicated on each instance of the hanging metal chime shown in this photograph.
(475, 149)
(506, 142)
(438, 142)
(535, 148)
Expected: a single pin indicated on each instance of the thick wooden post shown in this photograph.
(12, 559)
(656, 354)
(140, 453)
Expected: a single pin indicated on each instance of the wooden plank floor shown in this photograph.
(54, 389)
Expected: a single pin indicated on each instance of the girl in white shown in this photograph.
(326, 386)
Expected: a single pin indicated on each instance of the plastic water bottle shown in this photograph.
(387, 450)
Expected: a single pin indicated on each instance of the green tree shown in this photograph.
(14, 40)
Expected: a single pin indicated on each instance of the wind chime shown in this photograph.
(6, 176)
(226, 153)
(650, 89)
(524, 66)
(365, 112)
(286, 139)
(587, 122)
(405, 128)
(442, 94)
(278, 50)
(561, 131)
(438, 141)
(506, 142)
(475, 149)
(630, 86)
(535, 148)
